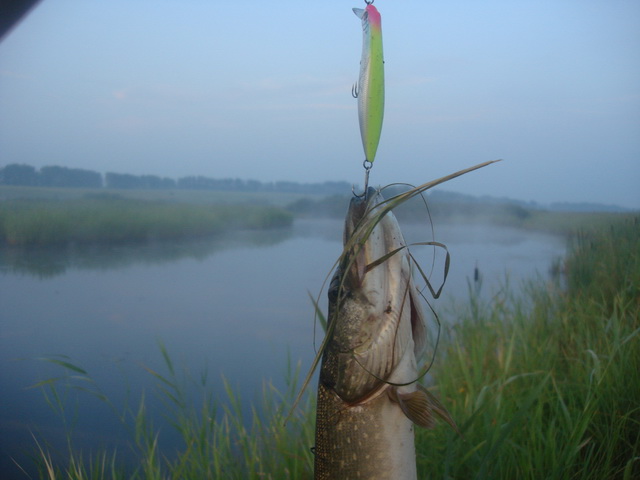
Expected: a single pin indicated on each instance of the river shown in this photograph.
(237, 305)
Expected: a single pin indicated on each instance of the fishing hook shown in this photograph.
(367, 167)
(368, 2)
(354, 90)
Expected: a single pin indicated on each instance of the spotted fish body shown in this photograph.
(365, 418)
(377, 444)
(370, 86)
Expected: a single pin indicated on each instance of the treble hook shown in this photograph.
(368, 2)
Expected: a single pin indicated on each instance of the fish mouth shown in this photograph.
(360, 223)
(359, 207)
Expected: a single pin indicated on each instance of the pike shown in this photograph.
(368, 395)
(369, 90)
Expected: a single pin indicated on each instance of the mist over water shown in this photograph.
(237, 306)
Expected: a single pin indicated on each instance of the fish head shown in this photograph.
(374, 316)
(359, 226)
(359, 208)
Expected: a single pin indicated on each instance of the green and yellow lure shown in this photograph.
(370, 87)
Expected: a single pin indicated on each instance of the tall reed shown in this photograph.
(217, 441)
(544, 384)
(108, 219)
(547, 385)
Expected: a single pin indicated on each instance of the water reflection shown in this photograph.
(51, 261)
(237, 305)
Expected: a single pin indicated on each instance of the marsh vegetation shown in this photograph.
(41, 216)
(543, 383)
(112, 219)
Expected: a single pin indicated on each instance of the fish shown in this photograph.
(369, 90)
(368, 398)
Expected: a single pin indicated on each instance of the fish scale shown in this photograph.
(372, 441)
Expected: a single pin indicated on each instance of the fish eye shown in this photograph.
(333, 291)
(334, 286)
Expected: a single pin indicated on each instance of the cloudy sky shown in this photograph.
(262, 90)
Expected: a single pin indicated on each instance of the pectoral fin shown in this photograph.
(415, 406)
(420, 405)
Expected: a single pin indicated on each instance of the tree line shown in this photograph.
(64, 177)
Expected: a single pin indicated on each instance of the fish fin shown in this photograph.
(415, 406)
(420, 405)
(439, 409)
(359, 12)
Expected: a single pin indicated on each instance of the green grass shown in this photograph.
(217, 440)
(543, 384)
(107, 219)
(547, 385)
(198, 197)
(572, 223)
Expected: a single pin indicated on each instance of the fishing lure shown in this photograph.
(370, 87)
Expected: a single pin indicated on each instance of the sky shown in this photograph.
(262, 90)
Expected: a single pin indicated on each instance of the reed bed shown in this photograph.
(218, 441)
(547, 384)
(543, 384)
(108, 219)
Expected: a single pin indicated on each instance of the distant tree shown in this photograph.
(122, 180)
(147, 182)
(55, 176)
(168, 183)
(517, 211)
(253, 186)
(227, 184)
(186, 182)
(268, 187)
(154, 182)
(196, 183)
(150, 182)
(283, 186)
(337, 188)
(18, 174)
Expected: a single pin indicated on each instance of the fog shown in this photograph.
(257, 90)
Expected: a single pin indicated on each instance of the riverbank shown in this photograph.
(546, 385)
(194, 197)
(542, 384)
(114, 219)
(38, 216)
(470, 211)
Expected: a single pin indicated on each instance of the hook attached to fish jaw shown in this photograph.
(367, 167)
(355, 90)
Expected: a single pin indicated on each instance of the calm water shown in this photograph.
(236, 306)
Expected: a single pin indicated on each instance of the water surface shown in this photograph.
(236, 306)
